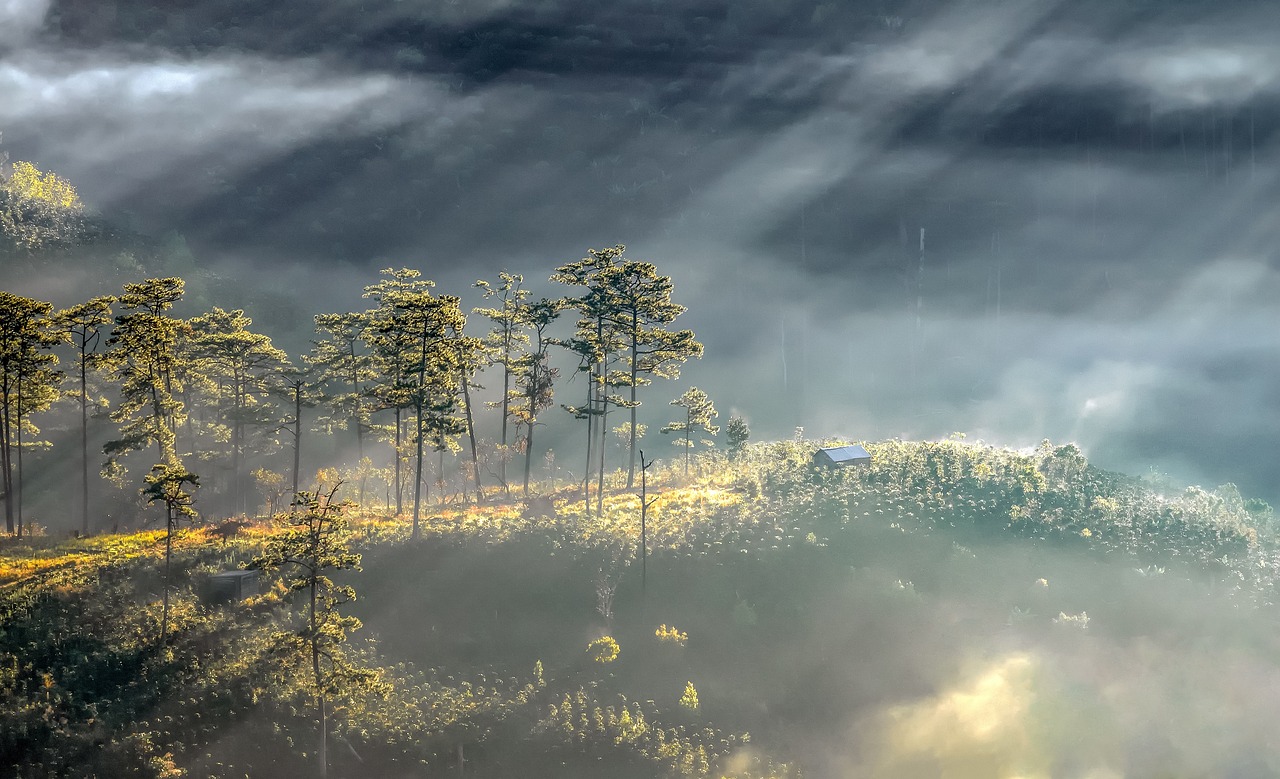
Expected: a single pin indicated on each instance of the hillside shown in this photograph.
(951, 610)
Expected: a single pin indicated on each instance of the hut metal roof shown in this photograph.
(845, 455)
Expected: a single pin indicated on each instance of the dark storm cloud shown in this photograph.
(1092, 181)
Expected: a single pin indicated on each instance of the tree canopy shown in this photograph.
(38, 209)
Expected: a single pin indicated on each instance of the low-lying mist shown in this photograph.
(875, 642)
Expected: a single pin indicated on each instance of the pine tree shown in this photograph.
(737, 434)
(142, 352)
(388, 344)
(504, 345)
(417, 343)
(167, 484)
(299, 388)
(28, 383)
(596, 342)
(241, 365)
(640, 306)
(316, 541)
(699, 411)
(84, 326)
(345, 370)
(534, 375)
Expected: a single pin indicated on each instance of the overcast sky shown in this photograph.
(1094, 182)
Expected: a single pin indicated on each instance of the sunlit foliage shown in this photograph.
(315, 542)
(604, 649)
(169, 485)
(143, 355)
(671, 635)
(38, 209)
(698, 413)
(689, 698)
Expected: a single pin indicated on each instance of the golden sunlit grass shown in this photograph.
(760, 503)
(43, 555)
(675, 511)
(14, 569)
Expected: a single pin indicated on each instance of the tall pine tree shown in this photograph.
(346, 369)
(640, 306)
(142, 352)
(85, 326)
(28, 383)
(504, 345)
(389, 388)
(242, 366)
(596, 342)
(535, 376)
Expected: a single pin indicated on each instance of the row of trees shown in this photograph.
(207, 393)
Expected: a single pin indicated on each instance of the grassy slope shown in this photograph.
(820, 609)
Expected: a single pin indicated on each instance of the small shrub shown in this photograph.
(671, 635)
(604, 649)
(690, 698)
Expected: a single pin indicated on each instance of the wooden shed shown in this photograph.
(231, 586)
(842, 456)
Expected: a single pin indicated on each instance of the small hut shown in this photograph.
(231, 586)
(842, 456)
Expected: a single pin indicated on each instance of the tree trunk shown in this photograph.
(6, 458)
(591, 418)
(170, 421)
(528, 452)
(602, 394)
(688, 425)
(644, 517)
(297, 439)
(604, 432)
(324, 739)
(84, 446)
(471, 434)
(187, 425)
(399, 479)
(237, 454)
(315, 669)
(17, 486)
(168, 556)
(440, 473)
(355, 415)
(160, 424)
(417, 482)
(631, 447)
(419, 400)
(506, 409)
